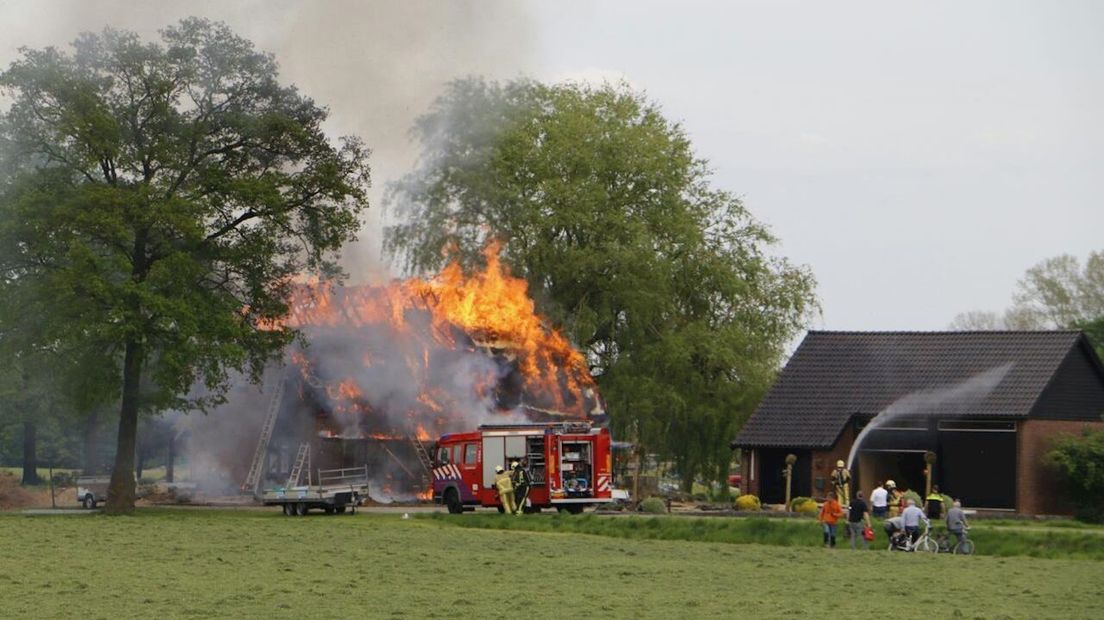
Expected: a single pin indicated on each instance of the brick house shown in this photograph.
(988, 404)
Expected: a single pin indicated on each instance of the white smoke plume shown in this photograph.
(376, 65)
(943, 401)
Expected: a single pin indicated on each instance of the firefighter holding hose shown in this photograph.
(505, 489)
(520, 479)
(841, 480)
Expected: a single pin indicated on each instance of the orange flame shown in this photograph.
(491, 308)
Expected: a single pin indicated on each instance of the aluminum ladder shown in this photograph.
(425, 459)
(253, 480)
(302, 458)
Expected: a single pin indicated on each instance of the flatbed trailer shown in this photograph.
(337, 491)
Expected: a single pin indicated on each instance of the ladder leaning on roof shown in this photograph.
(302, 459)
(425, 459)
(252, 482)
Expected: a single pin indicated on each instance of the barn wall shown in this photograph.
(1075, 393)
(749, 483)
(824, 461)
(1039, 489)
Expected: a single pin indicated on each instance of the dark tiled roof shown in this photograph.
(834, 375)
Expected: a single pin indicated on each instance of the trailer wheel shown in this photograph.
(289, 510)
(301, 509)
(340, 510)
(330, 510)
(452, 500)
(89, 502)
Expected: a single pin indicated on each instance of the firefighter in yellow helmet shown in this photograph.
(505, 489)
(895, 496)
(841, 480)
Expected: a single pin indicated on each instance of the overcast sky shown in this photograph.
(917, 156)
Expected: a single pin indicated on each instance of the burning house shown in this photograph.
(985, 405)
(382, 371)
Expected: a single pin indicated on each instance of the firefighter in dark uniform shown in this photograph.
(519, 475)
(933, 503)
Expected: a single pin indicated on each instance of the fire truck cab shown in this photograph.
(570, 465)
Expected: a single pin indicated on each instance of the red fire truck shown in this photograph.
(569, 462)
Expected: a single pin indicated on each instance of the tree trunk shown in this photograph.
(30, 460)
(120, 498)
(92, 464)
(171, 457)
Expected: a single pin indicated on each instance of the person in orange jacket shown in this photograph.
(830, 514)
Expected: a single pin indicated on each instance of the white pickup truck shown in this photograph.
(92, 490)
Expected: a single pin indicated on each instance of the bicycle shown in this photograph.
(958, 547)
(901, 541)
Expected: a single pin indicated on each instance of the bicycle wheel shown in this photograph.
(966, 547)
(926, 545)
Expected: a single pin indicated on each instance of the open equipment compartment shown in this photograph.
(577, 468)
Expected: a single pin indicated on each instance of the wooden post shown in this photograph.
(929, 458)
(790, 460)
(53, 502)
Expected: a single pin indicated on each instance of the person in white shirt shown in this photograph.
(879, 503)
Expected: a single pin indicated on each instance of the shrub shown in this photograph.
(747, 502)
(1080, 461)
(653, 505)
(914, 496)
(804, 505)
(64, 479)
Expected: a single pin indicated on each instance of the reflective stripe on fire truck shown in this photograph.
(447, 472)
(603, 482)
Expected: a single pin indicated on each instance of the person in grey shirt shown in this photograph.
(912, 517)
(956, 521)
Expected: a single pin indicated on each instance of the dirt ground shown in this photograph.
(15, 497)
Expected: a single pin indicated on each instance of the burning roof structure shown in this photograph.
(381, 369)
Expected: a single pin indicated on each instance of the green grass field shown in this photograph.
(998, 538)
(168, 563)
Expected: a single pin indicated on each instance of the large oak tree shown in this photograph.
(158, 198)
(665, 282)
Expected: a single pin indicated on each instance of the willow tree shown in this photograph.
(158, 199)
(667, 283)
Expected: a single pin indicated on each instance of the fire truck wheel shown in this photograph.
(574, 509)
(501, 509)
(89, 502)
(340, 510)
(452, 500)
(532, 510)
(330, 510)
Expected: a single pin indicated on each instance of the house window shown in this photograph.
(905, 424)
(980, 426)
